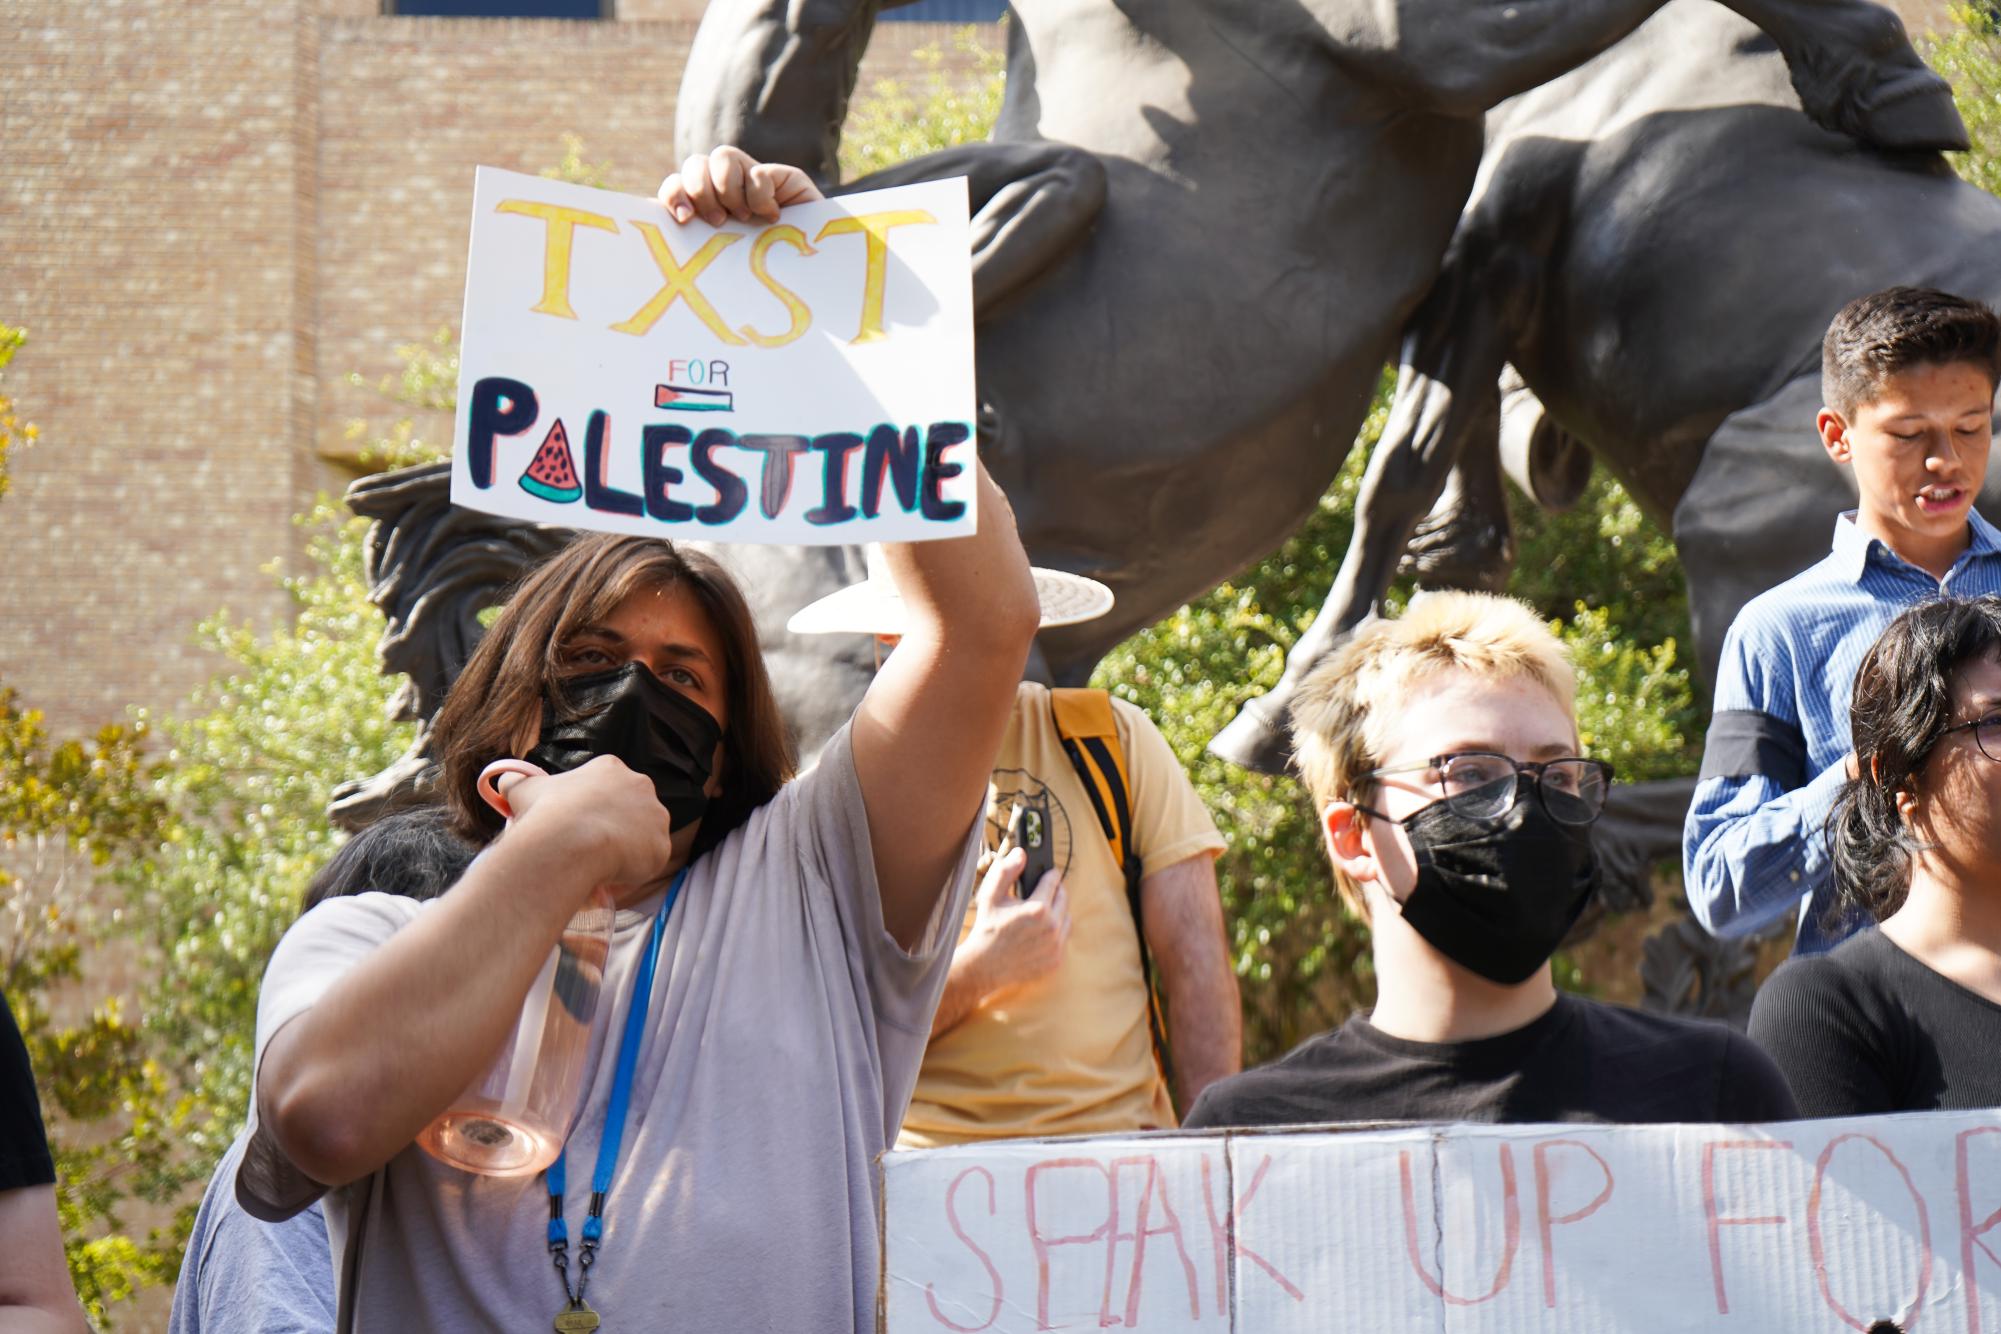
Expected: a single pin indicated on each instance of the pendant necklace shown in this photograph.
(577, 1317)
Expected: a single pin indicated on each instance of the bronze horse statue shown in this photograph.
(1169, 310)
(1198, 230)
(1643, 274)
(1201, 225)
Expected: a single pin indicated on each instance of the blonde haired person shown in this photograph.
(1441, 751)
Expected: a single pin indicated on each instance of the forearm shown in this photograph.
(35, 1292)
(926, 733)
(1184, 932)
(1204, 1030)
(57, 1318)
(347, 1084)
(1750, 861)
(971, 588)
(965, 987)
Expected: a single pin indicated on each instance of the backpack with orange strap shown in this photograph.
(1090, 736)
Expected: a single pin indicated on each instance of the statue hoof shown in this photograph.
(1462, 551)
(1857, 74)
(1912, 112)
(1255, 739)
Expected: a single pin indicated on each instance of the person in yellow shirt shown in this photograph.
(1045, 1027)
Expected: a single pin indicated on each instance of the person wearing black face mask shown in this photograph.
(1441, 751)
(778, 949)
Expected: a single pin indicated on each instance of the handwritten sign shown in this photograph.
(806, 381)
(1810, 1225)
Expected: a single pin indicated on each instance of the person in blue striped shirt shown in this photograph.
(1907, 379)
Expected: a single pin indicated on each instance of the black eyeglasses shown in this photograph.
(1481, 785)
(1986, 734)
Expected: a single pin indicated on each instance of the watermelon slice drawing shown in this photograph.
(552, 474)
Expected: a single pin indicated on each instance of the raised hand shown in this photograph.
(607, 814)
(727, 183)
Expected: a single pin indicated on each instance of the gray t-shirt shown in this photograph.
(241, 1276)
(785, 1034)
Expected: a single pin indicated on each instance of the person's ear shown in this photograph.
(1907, 806)
(1349, 845)
(1834, 435)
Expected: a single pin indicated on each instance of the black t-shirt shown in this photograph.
(1868, 1029)
(24, 1146)
(1582, 1061)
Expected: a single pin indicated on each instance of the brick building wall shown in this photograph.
(212, 214)
(421, 101)
(150, 196)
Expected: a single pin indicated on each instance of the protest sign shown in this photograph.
(804, 381)
(1873, 1224)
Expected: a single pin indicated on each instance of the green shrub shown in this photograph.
(1969, 55)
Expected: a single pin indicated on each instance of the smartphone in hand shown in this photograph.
(1029, 828)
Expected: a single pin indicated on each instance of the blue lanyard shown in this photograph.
(614, 1118)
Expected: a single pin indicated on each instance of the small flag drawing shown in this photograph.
(674, 397)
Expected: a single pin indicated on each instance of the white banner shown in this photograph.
(1776, 1229)
(808, 381)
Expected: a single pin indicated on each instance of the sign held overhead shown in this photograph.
(804, 381)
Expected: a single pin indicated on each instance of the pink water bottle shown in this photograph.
(513, 1119)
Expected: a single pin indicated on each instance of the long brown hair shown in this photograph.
(498, 698)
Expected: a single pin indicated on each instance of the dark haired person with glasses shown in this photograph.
(1908, 1017)
(1441, 751)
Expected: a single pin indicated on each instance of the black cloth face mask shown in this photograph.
(1497, 896)
(653, 728)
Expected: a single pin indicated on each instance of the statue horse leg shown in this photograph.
(774, 78)
(1445, 411)
(1032, 204)
(1857, 73)
(1467, 541)
(1851, 62)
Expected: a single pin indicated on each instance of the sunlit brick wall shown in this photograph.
(154, 176)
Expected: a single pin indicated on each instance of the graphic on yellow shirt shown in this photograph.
(1043, 817)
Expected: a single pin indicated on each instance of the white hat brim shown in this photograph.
(873, 607)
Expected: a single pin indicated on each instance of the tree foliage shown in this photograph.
(13, 431)
(1969, 55)
(72, 812)
(255, 757)
(953, 101)
(68, 811)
